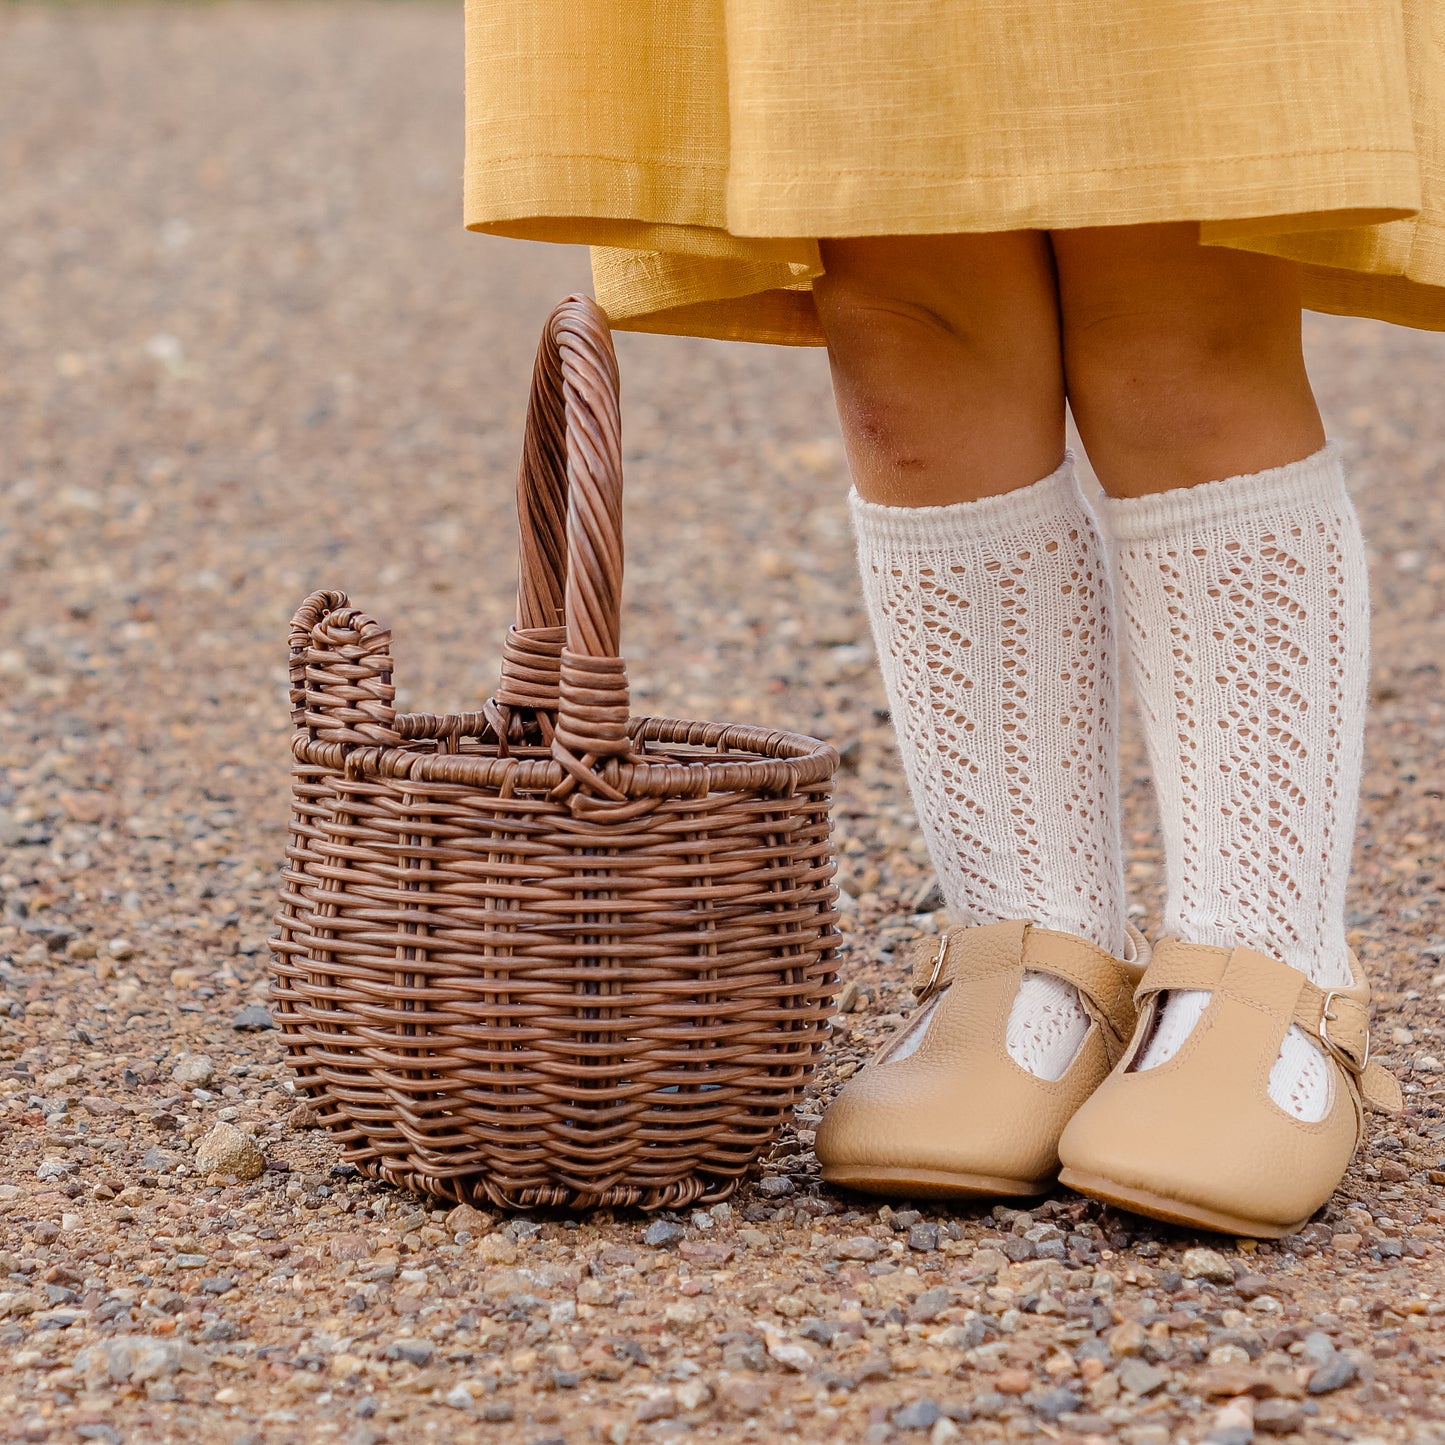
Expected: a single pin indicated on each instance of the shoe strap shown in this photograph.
(1336, 1021)
(1104, 983)
(958, 952)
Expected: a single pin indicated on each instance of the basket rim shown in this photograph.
(787, 761)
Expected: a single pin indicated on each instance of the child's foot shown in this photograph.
(1198, 1140)
(946, 1109)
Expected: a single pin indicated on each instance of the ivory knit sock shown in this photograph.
(1246, 612)
(995, 639)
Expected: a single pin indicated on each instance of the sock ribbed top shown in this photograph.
(915, 529)
(1300, 486)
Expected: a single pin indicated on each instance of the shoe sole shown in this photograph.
(932, 1183)
(1172, 1211)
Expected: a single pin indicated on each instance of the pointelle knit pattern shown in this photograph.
(1245, 610)
(993, 625)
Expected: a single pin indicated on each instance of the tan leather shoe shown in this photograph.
(1197, 1140)
(943, 1110)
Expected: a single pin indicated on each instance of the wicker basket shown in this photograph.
(547, 954)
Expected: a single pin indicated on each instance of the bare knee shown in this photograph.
(1164, 401)
(946, 370)
(896, 359)
(986, 302)
(1183, 363)
(1170, 380)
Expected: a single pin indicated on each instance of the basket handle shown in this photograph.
(562, 655)
(341, 673)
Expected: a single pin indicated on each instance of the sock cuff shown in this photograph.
(927, 528)
(1317, 480)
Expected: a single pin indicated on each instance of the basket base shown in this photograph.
(484, 1193)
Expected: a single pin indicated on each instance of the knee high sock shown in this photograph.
(995, 637)
(1245, 611)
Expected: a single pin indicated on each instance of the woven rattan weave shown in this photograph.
(546, 953)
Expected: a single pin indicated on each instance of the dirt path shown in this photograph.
(246, 350)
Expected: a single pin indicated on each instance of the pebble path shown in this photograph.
(246, 350)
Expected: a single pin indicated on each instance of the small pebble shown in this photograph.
(775, 1186)
(744, 1396)
(1227, 1355)
(1334, 1374)
(873, 1366)
(1249, 1286)
(929, 1305)
(789, 1353)
(1230, 1435)
(225, 1149)
(1050, 1404)
(193, 1071)
(859, 1247)
(414, 1352)
(1140, 1378)
(660, 1405)
(1206, 1264)
(1278, 1417)
(1237, 1414)
(919, 1414)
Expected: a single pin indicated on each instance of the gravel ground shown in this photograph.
(246, 350)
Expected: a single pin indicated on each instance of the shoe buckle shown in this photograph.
(940, 957)
(1337, 1051)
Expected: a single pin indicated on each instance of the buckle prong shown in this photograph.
(1335, 1051)
(939, 957)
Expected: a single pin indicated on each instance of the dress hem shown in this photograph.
(531, 196)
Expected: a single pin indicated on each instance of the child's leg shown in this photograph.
(946, 363)
(1183, 361)
(1244, 602)
(987, 589)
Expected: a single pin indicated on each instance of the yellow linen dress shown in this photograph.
(702, 147)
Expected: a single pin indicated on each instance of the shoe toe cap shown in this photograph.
(894, 1117)
(1271, 1168)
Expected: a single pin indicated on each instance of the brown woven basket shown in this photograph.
(547, 954)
